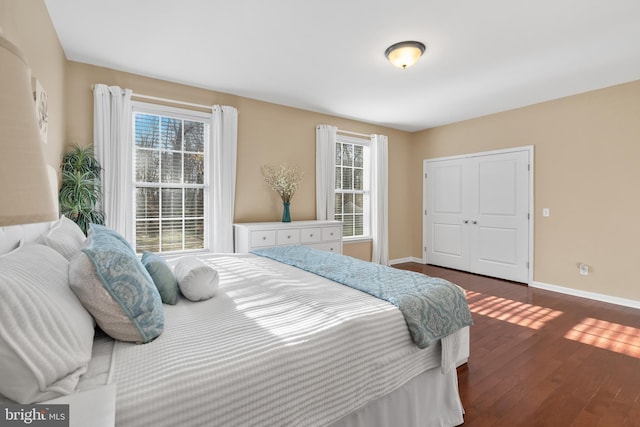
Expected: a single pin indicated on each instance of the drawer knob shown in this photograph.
(288, 237)
(311, 235)
(264, 238)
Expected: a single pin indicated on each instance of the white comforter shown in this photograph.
(277, 346)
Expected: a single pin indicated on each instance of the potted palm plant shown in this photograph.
(80, 190)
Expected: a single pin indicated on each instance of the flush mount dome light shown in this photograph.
(404, 54)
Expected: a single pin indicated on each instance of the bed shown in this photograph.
(276, 345)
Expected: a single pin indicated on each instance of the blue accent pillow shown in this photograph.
(162, 277)
(114, 286)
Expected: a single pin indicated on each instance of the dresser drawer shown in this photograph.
(331, 233)
(335, 247)
(288, 237)
(310, 235)
(263, 238)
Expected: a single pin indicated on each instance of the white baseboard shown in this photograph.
(407, 259)
(585, 294)
(554, 288)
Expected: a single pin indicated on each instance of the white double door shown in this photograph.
(476, 215)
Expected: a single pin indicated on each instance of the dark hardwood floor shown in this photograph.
(540, 358)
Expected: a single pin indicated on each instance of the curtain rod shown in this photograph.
(354, 133)
(172, 101)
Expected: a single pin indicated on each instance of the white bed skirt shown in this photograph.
(429, 400)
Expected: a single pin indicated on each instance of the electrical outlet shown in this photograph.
(584, 269)
(545, 212)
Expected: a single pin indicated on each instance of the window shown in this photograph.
(170, 178)
(352, 190)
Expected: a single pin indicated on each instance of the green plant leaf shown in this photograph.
(80, 192)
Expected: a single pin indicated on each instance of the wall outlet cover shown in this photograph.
(584, 269)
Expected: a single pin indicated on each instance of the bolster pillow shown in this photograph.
(196, 280)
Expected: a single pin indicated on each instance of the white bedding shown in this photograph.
(277, 346)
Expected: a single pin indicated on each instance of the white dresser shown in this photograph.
(324, 235)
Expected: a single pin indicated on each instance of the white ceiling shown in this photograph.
(328, 56)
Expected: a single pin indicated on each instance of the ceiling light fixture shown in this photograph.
(404, 54)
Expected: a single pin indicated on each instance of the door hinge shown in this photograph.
(425, 211)
(425, 175)
(528, 166)
(527, 265)
(528, 216)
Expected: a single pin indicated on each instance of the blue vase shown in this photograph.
(286, 215)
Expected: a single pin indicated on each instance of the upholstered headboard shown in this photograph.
(11, 236)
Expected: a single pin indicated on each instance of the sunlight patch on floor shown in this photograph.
(515, 312)
(607, 335)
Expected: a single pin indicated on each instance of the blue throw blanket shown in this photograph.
(433, 308)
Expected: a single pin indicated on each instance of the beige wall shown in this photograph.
(586, 158)
(587, 172)
(27, 25)
(267, 133)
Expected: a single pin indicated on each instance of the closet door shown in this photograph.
(476, 214)
(499, 216)
(447, 241)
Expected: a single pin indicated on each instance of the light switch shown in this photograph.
(545, 211)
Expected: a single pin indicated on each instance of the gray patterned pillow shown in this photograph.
(115, 288)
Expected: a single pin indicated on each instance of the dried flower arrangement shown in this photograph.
(284, 180)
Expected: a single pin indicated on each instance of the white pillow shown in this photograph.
(196, 280)
(46, 335)
(65, 236)
(14, 250)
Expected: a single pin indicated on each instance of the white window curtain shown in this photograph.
(325, 171)
(380, 200)
(224, 142)
(111, 136)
